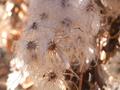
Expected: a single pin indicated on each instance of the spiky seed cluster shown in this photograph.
(64, 3)
(66, 22)
(57, 20)
(52, 46)
(43, 16)
(34, 25)
(31, 45)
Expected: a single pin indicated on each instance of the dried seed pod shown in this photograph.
(69, 43)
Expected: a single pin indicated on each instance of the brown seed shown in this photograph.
(31, 45)
(64, 3)
(52, 46)
(90, 7)
(66, 22)
(52, 76)
(43, 16)
(34, 25)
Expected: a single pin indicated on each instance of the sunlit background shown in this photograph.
(13, 16)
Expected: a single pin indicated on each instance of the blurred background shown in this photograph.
(13, 17)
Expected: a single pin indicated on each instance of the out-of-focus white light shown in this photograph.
(24, 7)
(119, 39)
(102, 55)
(9, 6)
(18, 75)
(21, 15)
(111, 78)
(62, 85)
(80, 1)
(87, 61)
(91, 50)
(4, 42)
(13, 80)
(9, 13)
(4, 34)
(4, 38)
(16, 63)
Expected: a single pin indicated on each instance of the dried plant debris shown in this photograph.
(71, 43)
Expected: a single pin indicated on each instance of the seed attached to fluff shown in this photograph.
(64, 3)
(43, 16)
(52, 46)
(31, 45)
(102, 55)
(93, 63)
(52, 76)
(34, 25)
(66, 22)
(90, 7)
